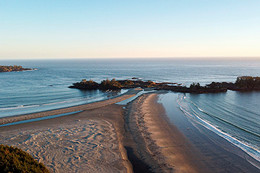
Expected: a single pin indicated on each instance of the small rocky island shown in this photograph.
(13, 68)
(243, 83)
(127, 84)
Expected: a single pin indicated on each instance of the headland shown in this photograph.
(243, 83)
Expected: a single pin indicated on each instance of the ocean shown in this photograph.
(232, 115)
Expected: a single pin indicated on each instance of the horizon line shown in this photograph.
(177, 58)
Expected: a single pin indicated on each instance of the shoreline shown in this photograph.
(166, 147)
(139, 137)
(82, 107)
(183, 120)
(153, 140)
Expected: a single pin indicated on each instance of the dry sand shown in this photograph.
(94, 140)
(90, 141)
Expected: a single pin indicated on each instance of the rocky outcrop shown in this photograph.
(13, 68)
(126, 84)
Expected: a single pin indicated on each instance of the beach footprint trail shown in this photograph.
(81, 146)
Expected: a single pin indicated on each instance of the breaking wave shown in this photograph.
(192, 111)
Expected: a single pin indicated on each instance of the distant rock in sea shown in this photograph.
(13, 68)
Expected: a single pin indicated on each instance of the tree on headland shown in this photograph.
(86, 84)
(107, 84)
(248, 82)
(195, 86)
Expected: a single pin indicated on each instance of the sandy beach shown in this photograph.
(90, 141)
(106, 137)
(160, 145)
(158, 86)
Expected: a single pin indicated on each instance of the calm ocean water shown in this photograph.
(232, 113)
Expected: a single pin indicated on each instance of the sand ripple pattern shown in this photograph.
(82, 146)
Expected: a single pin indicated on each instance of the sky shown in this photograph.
(33, 29)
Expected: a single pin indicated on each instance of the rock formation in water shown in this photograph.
(13, 68)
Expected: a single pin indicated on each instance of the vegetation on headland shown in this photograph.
(126, 84)
(243, 83)
(13, 68)
(13, 160)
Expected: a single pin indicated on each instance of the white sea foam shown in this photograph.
(251, 150)
(18, 107)
(24, 109)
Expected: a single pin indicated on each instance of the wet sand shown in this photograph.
(165, 146)
(154, 141)
(218, 154)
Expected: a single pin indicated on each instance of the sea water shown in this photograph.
(234, 114)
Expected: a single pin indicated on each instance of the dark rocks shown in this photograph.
(244, 83)
(126, 84)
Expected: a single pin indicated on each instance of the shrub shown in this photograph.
(107, 84)
(15, 160)
(128, 83)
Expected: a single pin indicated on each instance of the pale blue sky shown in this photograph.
(136, 28)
